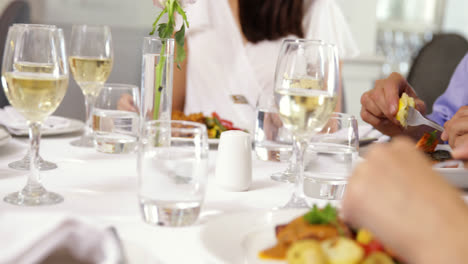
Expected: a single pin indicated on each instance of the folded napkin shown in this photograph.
(368, 131)
(33, 238)
(13, 120)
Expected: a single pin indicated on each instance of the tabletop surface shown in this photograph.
(103, 187)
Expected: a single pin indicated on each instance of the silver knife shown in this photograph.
(415, 118)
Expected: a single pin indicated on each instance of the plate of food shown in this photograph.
(455, 173)
(215, 124)
(4, 137)
(313, 236)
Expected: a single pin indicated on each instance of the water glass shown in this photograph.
(172, 171)
(330, 158)
(116, 118)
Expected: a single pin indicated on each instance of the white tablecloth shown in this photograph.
(103, 187)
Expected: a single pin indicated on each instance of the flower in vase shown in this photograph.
(162, 3)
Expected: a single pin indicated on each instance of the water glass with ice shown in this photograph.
(116, 119)
(172, 172)
(330, 158)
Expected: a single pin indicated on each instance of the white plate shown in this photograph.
(4, 137)
(237, 238)
(456, 176)
(75, 125)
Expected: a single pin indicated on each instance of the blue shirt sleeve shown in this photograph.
(454, 97)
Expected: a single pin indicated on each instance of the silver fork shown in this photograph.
(415, 118)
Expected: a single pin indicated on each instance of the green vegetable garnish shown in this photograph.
(432, 138)
(316, 216)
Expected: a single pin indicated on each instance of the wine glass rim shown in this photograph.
(34, 25)
(107, 27)
(187, 126)
(339, 115)
(119, 86)
(309, 41)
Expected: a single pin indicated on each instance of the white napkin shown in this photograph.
(29, 238)
(13, 120)
(368, 131)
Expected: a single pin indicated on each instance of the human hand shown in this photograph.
(380, 105)
(126, 103)
(456, 129)
(402, 201)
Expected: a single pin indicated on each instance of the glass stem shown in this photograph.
(299, 149)
(34, 186)
(89, 102)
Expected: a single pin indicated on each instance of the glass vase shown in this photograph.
(156, 79)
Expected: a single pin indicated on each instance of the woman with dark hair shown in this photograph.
(232, 48)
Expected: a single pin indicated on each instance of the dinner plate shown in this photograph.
(213, 141)
(237, 238)
(136, 254)
(74, 125)
(456, 176)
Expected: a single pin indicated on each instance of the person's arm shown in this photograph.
(180, 82)
(410, 208)
(454, 97)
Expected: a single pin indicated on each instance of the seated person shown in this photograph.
(380, 105)
(408, 206)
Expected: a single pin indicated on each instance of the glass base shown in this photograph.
(163, 213)
(286, 177)
(84, 142)
(45, 198)
(296, 202)
(23, 164)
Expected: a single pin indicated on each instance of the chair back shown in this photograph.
(434, 66)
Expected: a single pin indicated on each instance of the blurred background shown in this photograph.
(390, 35)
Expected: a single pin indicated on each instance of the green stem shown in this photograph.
(158, 81)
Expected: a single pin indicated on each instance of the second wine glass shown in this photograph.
(91, 60)
(306, 92)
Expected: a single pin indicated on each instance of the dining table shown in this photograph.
(103, 188)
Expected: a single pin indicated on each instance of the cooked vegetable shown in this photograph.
(364, 237)
(323, 216)
(378, 258)
(342, 250)
(372, 246)
(403, 105)
(428, 142)
(306, 252)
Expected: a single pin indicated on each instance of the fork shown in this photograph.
(415, 118)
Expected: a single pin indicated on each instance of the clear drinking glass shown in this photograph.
(91, 60)
(172, 170)
(306, 93)
(116, 118)
(330, 157)
(273, 142)
(35, 80)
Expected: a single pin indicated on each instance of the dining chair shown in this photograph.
(17, 11)
(433, 67)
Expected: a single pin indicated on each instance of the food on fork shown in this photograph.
(320, 237)
(215, 124)
(403, 105)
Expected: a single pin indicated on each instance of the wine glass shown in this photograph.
(91, 58)
(306, 92)
(35, 94)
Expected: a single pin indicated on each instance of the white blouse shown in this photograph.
(219, 64)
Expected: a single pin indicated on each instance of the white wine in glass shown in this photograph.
(35, 80)
(306, 90)
(27, 67)
(91, 60)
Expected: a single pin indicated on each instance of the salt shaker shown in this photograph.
(234, 161)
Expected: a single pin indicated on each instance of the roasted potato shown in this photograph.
(342, 250)
(378, 258)
(306, 252)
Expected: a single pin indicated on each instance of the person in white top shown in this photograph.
(232, 48)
